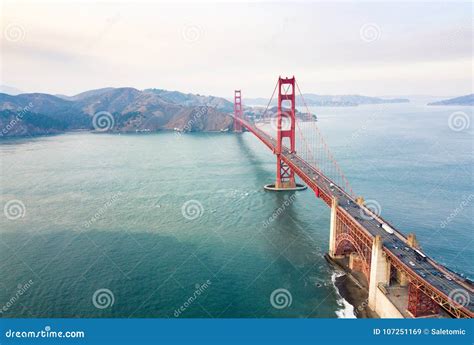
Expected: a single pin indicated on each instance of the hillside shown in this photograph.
(48, 105)
(189, 99)
(132, 110)
(27, 123)
(462, 100)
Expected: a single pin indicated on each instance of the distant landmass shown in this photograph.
(462, 100)
(135, 110)
(257, 113)
(332, 101)
(9, 90)
(190, 99)
(132, 111)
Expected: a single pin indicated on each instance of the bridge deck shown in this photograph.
(425, 272)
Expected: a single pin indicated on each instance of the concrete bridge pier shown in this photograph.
(378, 271)
(332, 228)
(380, 277)
(402, 278)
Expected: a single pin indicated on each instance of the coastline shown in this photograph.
(167, 130)
(354, 295)
(351, 292)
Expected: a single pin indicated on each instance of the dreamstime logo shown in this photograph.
(14, 33)
(281, 298)
(288, 201)
(46, 333)
(22, 288)
(196, 115)
(109, 23)
(192, 209)
(459, 121)
(103, 298)
(460, 296)
(14, 209)
(465, 202)
(356, 135)
(200, 288)
(101, 211)
(280, 29)
(285, 121)
(363, 305)
(21, 112)
(373, 206)
(192, 33)
(370, 32)
(103, 121)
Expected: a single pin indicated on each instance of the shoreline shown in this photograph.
(167, 130)
(351, 291)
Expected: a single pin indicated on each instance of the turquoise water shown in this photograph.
(158, 219)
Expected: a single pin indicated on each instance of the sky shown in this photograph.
(375, 49)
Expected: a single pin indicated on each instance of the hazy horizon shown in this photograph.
(14, 91)
(212, 49)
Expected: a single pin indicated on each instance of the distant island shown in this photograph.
(462, 100)
(333, 101)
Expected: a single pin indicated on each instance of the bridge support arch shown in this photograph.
(419, 303)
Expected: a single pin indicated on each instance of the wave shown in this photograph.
(347, 309)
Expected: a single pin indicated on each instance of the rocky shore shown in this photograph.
(352, 291)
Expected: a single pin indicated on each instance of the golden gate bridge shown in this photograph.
(402, 281)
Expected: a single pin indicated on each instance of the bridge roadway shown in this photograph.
(427, 272)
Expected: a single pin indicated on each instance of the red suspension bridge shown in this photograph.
(401, 279)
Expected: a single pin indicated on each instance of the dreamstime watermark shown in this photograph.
(281, 298)
(460, 297)
(459, 121)
(373, 207)
(200, 288)
(360, 131)
(279, 210)
(192, 33)
(280, 28)
(286, 121)
(192, 209)
(103, 121)
(103, 298)
(17, 119)
(370, 32)
(194, 118)
(102, 210)
(14, 33)
(14, 209)
(363, 305)
(464, 203)
(109, 23)
(47, 332)
(236, 194)
(21, 289)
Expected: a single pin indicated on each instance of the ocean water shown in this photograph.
(169, 225)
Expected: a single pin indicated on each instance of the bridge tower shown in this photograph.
(238, 111)
(285, 177)
(285, 127)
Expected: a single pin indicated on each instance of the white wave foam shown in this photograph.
(347, 309)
